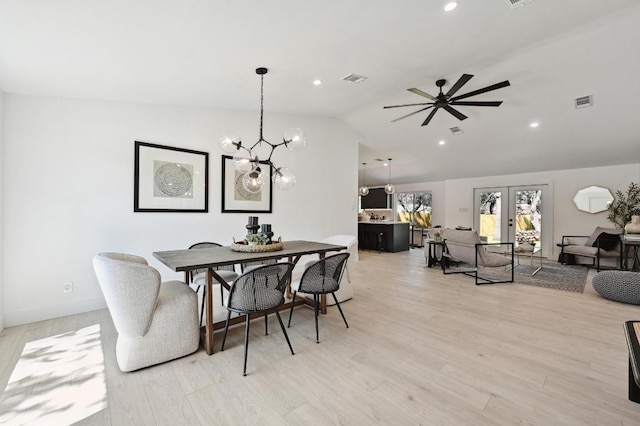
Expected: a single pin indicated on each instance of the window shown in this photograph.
(414, 207)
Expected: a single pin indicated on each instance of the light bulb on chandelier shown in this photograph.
(246, 160)
(252, 181)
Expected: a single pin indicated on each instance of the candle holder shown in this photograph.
(252, 226)
(266, 230)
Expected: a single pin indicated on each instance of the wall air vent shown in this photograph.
(354, 78)
(584, 101)
(518, 3)
(456, 130)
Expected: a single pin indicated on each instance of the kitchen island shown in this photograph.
(383, 236)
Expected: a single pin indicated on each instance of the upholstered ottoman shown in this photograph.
(621, 286)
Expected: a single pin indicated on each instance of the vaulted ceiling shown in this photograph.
(204, 53)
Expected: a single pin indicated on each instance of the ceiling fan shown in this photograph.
(447, 100)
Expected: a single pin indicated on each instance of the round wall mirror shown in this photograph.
(593, 199)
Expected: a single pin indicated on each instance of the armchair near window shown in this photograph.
(603, 243)
(466, 247)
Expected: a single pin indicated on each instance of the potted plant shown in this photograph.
(624, 205)
(256, 239)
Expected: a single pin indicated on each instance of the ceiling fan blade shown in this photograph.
(421, 93)
(409, 115)
(457, 114)
(477, 103)
(461, 82)
(484, 90)
(430, 117)
(406, 105)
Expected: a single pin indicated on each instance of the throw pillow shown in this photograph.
(607, 241)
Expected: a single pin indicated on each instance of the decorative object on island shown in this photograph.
(633, 227)
(246, 160)
(624, 206)
(388, 188)
(170, 179)
(364, 191)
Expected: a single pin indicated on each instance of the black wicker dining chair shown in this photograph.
(321, 277)
(199, 276)
(259, 291)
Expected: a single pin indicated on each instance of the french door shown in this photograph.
(513, 214)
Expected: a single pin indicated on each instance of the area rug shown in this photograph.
(58, 380)
(553, 275)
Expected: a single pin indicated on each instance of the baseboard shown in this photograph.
(1, 322)
(43, 313)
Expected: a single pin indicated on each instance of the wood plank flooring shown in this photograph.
(422, 348)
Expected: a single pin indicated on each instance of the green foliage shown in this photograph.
(624, 206)
(528, 225)
(259, 238)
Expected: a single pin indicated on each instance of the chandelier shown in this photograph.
(246, 160)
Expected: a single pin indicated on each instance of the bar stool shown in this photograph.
(381, 241)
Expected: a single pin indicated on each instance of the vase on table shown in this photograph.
(633, 227)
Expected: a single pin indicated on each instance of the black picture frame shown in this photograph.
(235, 199)
(170, 179)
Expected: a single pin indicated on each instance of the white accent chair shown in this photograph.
(156, 322)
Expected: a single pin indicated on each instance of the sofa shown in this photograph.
(603, 243)
(466, 247)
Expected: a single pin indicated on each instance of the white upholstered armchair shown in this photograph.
(156, 322)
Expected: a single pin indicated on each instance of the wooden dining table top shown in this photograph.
(211, 257)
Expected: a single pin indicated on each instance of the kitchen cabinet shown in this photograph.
(376, 199)
(394, 238)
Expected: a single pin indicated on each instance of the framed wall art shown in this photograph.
(236, 199)
(170, 179)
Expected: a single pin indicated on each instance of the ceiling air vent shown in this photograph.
(354, 78)
(517, 3)
(584, 101)
(456, 130)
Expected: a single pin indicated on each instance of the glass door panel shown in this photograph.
(489, 216)
(528, 219)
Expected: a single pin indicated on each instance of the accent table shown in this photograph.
(536, 253)
(634, 246)
(212, 257)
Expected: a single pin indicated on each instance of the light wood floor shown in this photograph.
(422, 348)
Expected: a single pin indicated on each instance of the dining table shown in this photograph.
(210, 258)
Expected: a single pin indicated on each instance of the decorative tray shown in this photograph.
(244, 247)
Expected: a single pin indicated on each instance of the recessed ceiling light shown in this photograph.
(534, 124)
(441, 142)
(450, 6)
(317, 82)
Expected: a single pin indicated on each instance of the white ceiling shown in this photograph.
(204, 53)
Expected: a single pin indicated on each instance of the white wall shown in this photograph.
(68, 191)
(567, 219)
(1, 211)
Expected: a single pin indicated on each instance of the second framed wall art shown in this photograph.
(236, 199)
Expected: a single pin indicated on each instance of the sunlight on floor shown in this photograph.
(57, 380)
